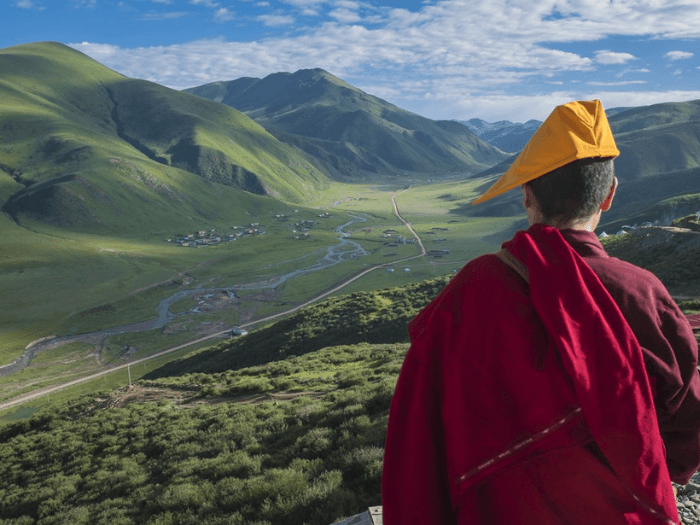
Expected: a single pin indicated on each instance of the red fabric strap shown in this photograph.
(605, 363)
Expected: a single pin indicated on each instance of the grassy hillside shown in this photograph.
(84, 147)
(656, 139)
(354, 133)
(661, 213)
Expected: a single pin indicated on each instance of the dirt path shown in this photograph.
(44, 391)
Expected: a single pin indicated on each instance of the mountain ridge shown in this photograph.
(350, 131)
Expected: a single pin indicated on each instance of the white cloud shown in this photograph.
(306, 7)
(621, 83)
(614, 99)
(224, 15)
(164, 16)
(262, 4)
(276, 20)
(626, 71)
(611, 57)
(678, 55)
(166, 2)
(345, 16)
(25, 4)
(678, 72)
(89, 4)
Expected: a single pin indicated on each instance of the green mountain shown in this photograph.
(663, 138)
(85, 147)
(350, 131)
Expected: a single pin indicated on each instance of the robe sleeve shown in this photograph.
(678, 394)
(414, 479)
(670, 355)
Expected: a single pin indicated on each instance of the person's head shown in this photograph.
(566, 169)
(572, 195)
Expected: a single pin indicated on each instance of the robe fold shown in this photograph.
(534, 403)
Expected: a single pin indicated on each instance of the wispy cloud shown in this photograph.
(166, 2)
(224, 15)
(611, 57)
(89, 4)
(164, 16)
(345, 16)
(621, 83)
(679, 55)
(276, 20)
(628, 71)
(206, 3)
(24, 4)
(306, 7)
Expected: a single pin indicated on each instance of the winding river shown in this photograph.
(344, 250)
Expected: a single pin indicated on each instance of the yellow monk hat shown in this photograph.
(577, 130)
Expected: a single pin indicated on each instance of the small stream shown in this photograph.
(344, 250)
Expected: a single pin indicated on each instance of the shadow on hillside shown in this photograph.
(280, 341)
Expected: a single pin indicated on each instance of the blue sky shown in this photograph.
(443, 59)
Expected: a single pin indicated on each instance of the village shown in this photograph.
(302, 229)
(202, 238)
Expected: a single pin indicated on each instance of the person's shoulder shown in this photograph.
(483, 279)
(630, 279)
(483, 271)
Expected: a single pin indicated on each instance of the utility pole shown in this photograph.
(128, 368)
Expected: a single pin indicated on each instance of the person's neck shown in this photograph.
(589, 224)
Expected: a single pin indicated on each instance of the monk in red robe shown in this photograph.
(548, 383)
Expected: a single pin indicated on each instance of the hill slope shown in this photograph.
(662, 138)
(85, 147)
(349, 130)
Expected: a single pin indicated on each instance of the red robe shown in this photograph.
(507, 386)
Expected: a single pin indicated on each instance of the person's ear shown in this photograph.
(607, 203)
(527, 196)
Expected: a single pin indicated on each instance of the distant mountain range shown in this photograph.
(82, 146)
(508, 136)
(349, 131)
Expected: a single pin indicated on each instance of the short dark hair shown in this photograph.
(574, 191)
